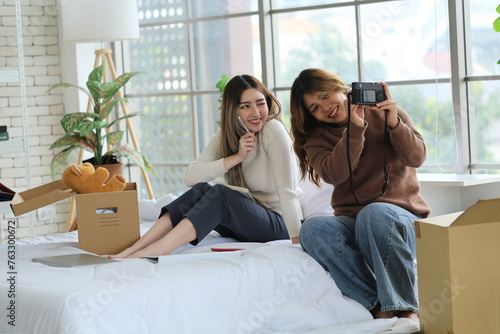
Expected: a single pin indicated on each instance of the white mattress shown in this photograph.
(273, 288)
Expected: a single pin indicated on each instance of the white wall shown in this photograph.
(42, 69)
(47, 61)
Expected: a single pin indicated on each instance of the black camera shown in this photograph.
(367, 93)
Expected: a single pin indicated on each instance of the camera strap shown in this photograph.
(349, 164)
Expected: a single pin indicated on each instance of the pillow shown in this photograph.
(315, 201)
(149, 209)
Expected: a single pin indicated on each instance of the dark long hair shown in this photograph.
(312, 81)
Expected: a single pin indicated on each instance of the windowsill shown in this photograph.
(457, 180)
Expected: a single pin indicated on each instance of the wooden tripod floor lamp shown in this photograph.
(102, 21)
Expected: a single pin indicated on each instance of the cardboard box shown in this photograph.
(107, 222)
(458, 264)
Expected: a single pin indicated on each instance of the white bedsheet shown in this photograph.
(276, 288)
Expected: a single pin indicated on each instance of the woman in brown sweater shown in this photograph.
(370, 155)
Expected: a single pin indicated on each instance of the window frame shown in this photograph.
(459, 31)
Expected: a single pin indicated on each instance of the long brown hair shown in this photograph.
(231, 129)
(312, 81)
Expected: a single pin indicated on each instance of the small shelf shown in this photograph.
(11, 146)
(5, 207)
(9, 76)
(457, 180)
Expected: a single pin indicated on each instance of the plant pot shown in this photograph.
(114, 167)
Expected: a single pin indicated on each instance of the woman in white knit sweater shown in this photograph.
(253, 150)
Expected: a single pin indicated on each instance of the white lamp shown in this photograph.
(86, 21)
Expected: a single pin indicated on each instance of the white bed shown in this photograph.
(271, 288)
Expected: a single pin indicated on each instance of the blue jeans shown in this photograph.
(370, 257)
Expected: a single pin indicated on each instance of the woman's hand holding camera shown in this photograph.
(358, 115)
(388, 106)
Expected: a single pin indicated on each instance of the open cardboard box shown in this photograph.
(458, 263)
(107, 222)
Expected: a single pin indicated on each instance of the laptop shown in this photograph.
(73, 260)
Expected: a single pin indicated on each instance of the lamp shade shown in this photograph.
(85, 21)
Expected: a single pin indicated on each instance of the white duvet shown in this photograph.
(275, 288)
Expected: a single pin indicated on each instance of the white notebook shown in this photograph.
(73, 260)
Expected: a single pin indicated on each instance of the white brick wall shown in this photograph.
(42, 69)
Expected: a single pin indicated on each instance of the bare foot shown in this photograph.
(124, 254)
(138, 254)
(153, 250)
(407, 322)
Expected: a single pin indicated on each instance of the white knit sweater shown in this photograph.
(270, 171)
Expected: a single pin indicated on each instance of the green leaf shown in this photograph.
(95, 90)
(221, 84)
(96, 74)
(87, 143)
(123, 117)
(134, 156)
(86, 126)
(115, 137)
(101, 124)
(496, 24)
(108, 107)
(72, 122)
(67, 85)
(124, 78)
(108, 90)
(59, 159)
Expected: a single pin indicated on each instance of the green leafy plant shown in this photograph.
(220, 85)
(88, 130)
(496, 24)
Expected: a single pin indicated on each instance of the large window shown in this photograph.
(483, 78)
(438, 56)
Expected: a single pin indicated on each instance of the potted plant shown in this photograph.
(88, 130)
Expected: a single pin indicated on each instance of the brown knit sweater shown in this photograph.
(326, 150)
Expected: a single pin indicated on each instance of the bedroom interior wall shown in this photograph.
(42, 69)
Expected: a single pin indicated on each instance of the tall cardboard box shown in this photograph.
(458, 264)
(107, 222)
